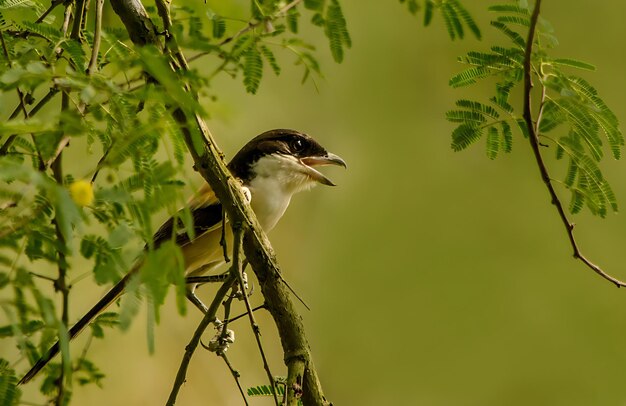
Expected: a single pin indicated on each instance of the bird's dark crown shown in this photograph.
(280, 141)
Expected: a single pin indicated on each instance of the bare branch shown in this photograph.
(97, 38)
(208, 318)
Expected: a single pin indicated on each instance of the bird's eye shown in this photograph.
(297, 145)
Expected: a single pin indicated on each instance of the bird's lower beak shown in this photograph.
(328, 159)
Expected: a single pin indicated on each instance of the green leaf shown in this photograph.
(162, 268)
(87, 372)
(155, 64)
(26, 126)
(30, 327)
(465, 135)
(514, 36)
(507, 137)
(292, 19)
(337, 31)
(76, 53)
(316, 5)
(518, 20)
(463, 116)
(577, 201)
(478, 107)
(573, 63)
(67, 214)
(509, 8)
(464, 15)
(493, 142)
(252, 70)
(469, 76)
(219, 26)
(271, 59)
(428, 12)
(9, 393)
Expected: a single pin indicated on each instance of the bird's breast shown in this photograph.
(269, 201)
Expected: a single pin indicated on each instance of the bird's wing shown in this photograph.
(206, 211)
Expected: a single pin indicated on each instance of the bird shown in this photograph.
(272, 167)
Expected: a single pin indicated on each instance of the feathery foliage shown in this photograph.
(117, 115)
(455, 16)
(573, 118)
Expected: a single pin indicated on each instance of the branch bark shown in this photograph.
(208, 160)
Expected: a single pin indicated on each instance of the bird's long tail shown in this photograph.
(111, 296)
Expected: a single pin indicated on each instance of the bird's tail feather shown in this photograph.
(111, 296)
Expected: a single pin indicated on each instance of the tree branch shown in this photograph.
(97, 37)
(208, 318)
(209, 163)
(533, 137)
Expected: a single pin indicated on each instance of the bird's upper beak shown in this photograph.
(328, 159)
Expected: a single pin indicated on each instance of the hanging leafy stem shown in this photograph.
(570, 117)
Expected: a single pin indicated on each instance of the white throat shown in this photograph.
(276, 178)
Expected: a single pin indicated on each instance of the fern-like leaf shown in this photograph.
(271, 59)
(252, 69)
(574, 63)
(465, 135)
(337, 31)
(493, 142)
(514, 36)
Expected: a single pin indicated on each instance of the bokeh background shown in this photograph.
(435, 278)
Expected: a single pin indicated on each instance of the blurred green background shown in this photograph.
(434, 277)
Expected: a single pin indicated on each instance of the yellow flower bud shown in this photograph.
(81, 192)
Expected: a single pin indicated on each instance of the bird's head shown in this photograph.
(287, 157)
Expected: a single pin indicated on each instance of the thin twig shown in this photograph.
(223, 341)
(237, 265)
(236, 376)
(54, 5)
(79, 15)
(246, 313)
(7, 144)
(97, 38)
(60, 285)
(534, 143)
(45, 277)
(249, 27)
(208, 318)
(67, 18)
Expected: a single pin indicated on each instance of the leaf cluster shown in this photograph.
(571, 115)
(455, 16)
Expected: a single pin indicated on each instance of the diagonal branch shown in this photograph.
(208, 318)
(534, 143)
(210, 164)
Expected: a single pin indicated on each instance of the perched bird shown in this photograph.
(272, 168)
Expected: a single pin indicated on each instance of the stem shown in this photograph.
(208, 318)
(534, 143)
(236, 376)
(97, 38)
(222, 353)
(237, 266)
(60, 285)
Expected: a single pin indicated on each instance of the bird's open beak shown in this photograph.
(328, 159)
